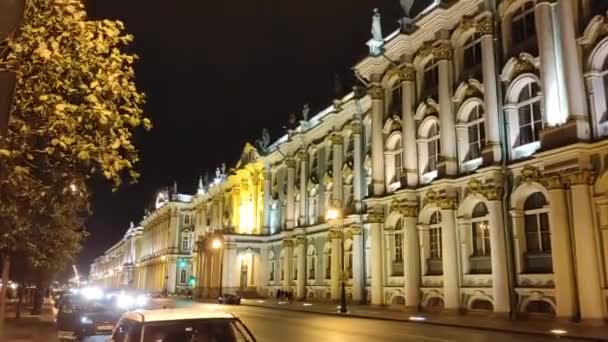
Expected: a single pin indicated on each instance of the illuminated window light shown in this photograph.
(417, 318)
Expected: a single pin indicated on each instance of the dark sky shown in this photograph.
(216, 72)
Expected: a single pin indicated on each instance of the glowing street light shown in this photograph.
(216, 244)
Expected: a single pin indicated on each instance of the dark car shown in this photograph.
(78, 318)
(229, 299)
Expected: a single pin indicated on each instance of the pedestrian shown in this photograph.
(278, 295)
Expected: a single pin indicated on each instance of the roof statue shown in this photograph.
(175, 187)
(200, 182)
(376, 26)
(377, 42)
(218, 173)
(406, 5)
(264, 142)
(305, 112)
(407, 22)
(223, 169)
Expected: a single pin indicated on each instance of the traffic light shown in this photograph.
(192, 281)
(182, 263)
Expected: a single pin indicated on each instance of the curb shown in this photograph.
(436, 323)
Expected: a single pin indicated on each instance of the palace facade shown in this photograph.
(472, 176)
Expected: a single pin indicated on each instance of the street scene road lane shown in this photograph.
(280, 326)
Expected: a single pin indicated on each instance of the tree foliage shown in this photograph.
(75, 111)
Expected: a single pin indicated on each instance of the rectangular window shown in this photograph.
(431, 76)
(433, 157)
(435, 239)
(481, 239)
(271, 275)
(398, 247)
(328, 267)
(532, 238)
(185, 243)
(349, 265)
(186, 219)
(396, 101)
(472, 55)
(311, 268)
(183, 276)
(398, 167)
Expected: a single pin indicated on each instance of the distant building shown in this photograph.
(473, 176)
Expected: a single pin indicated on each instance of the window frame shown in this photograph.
(530, 102)
(479, 125)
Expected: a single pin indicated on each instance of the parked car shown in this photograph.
(229, 299)
(78, 318)
(180, 325)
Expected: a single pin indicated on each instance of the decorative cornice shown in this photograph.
(441, 200)
(531, 174)
(376, 92)
(288, 243)
(300, 240)
(302, 155)
(409, 211)
(490, 192)
(334, 234)
(443, 51)
(336, 139)
(356, 128)
(448, 203)
(485, 26)
(554, 182)
(375, 217)
(580, 177)
(355, 230)
(291, 163)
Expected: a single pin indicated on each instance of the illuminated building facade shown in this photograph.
(472, 176)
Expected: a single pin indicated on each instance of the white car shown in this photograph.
(180, 325)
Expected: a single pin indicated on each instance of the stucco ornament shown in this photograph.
(376, 26)
(406, 5)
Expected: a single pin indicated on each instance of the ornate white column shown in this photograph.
(408, 75)
(338, 190)
(291, 170)
(411, 255)
(301, 281)
(303, 156)
(561, 250)
(554, 98)
(336, 262)
(451, 287)
(375, 220)
(287, 263)
(572, 69)
(358, 179)
(585, 238)
(358, 264)
(486, 28)
(448, 164)
(267, 190)
(498, 253)
(377, 94)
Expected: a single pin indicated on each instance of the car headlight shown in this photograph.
(85, 320)
(92, 293)
(142, 300)
(124, 301)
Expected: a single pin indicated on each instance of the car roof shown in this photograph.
(160, 315)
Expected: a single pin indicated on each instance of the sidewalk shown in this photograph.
(30, 328)
(472, 321)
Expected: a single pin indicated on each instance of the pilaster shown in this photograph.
(376, 92)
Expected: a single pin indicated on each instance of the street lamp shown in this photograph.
(217, 245)
(334, 213)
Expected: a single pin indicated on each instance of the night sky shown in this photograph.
(216, 73)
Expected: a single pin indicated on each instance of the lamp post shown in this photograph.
(217, 245)
(335, 212)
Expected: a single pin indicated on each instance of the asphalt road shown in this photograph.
(270, 325)
(275, 325)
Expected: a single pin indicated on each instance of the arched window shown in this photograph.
(605, 81)
(397, 253)
(394, 159)
(348, 258)
(312, 262)
(314, 163)
(295, 267)
(523, 29)
(480, 261)
(327, 261)
(350, 148)
(530, 114)
(281, 264)
(185, 242)
(433, 147)
(271, 266)
(395, 106)
(538, 234)
(431, 79)
(330, 159)
(434, 262)
(186, 219)
(472, 56)
(314, 209)
(476, 132)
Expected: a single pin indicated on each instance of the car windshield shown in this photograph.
(207, 330)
